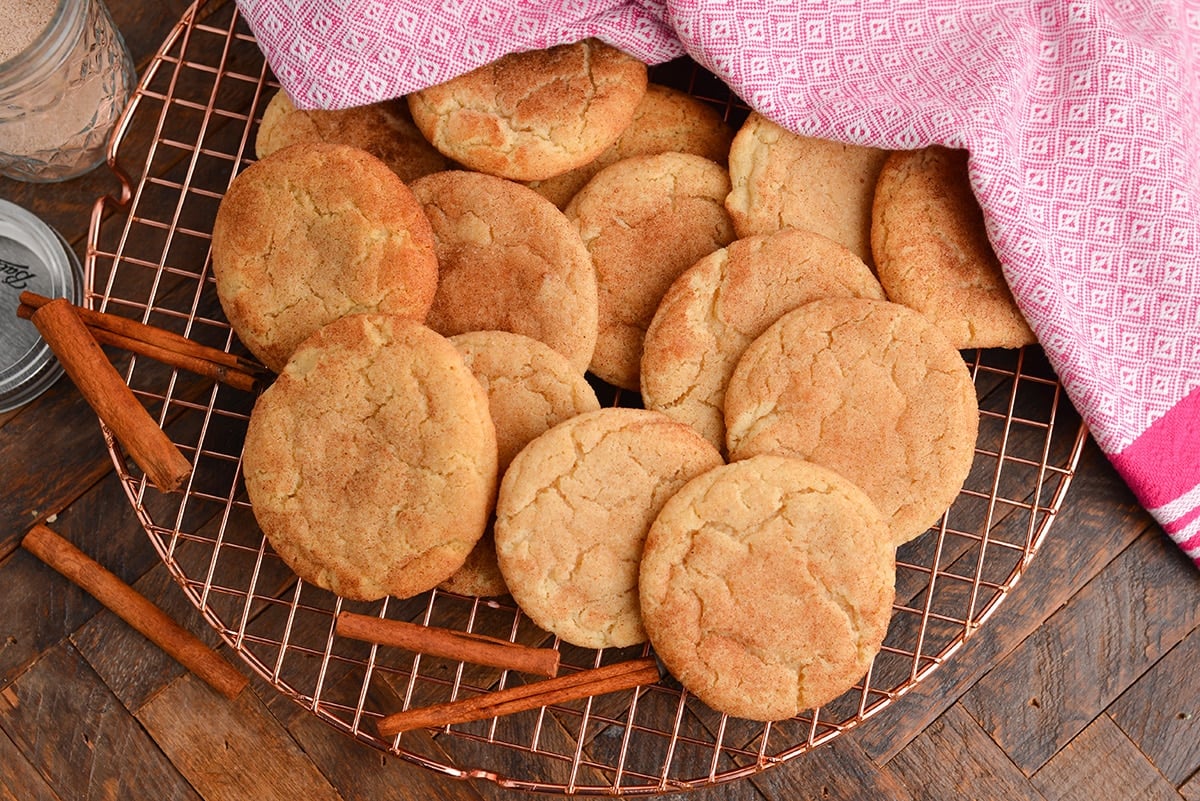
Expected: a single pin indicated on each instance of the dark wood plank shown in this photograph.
(19, 780)
(1190, 789)
(43, 606)
(56, 452)
(362, 773)
(231, 750)
(1035, 700)
(507, 755)
(1101, 763)
(134, 668)
(648, 746)
(75, 733)
(954, 759)
(52, 453)
(1099, 518)
(837, 771)
(1161, 711)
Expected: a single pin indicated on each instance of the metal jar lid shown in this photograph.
(33, 257)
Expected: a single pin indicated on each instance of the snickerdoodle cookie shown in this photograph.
(508, 260)
(666, 121)
(573, 512)
(645, 220)
(530, 389)
(932, 251)
(534, 114)
(385, 130)
(370, 463)
(314, 232)
(869, 388)
(784, 180)
(722, 303)
(766, 586)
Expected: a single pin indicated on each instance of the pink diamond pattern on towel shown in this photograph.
(1082, 118)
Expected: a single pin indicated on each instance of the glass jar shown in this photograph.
(62, 94)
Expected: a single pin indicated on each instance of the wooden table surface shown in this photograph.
(1084, 685)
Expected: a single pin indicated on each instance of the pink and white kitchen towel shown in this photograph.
(1082, 118)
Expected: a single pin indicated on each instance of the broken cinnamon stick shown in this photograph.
(476, 649)
(103, 388)
(135, 609)
(216, 370)
(597, 681)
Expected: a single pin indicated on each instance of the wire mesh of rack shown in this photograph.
(189, 131)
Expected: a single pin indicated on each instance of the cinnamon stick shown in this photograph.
(597, 681)
(216, 370)
(135, 609)
(167, 340)
(103, 388)
(466, 647)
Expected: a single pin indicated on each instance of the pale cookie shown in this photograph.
(508, 260)
(666, 121)
(784, 180)
(767, 586)
(534, 114)
(868, 388)
(932, 251)
(385, 130)
(573, 512)
(480, 574)
(645, 220)
(722, 303)
(371, 462)
(530, 389)
(312, 233)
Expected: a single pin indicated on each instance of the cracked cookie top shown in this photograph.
(766, 586)
(530, 389)
(869, 388)
(645, 220)
(932, 251)
(508, 260)
(722, 303)
(573, 512)
(312, 233)
(784, 180)
(534, 114)
(385, 130)
(370, 463)
(665, 121)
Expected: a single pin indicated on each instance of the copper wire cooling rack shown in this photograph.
(189, 130)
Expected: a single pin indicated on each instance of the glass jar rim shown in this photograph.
(51, 45)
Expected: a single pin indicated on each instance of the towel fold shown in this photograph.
(1081, 117)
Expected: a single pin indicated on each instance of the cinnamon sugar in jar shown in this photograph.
(65, 77)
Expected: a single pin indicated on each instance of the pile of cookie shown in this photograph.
(433, 277)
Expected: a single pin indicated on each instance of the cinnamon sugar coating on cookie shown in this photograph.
(868, 388)
(312, 233)
(766, 586)
(385, 130)
(722, 303)
(508, 260)
(932, 251)
(534, 114)
(370, 463)
(573, 512)
(784, 180)
(665, 121)
(645, 220)
(530, 389)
